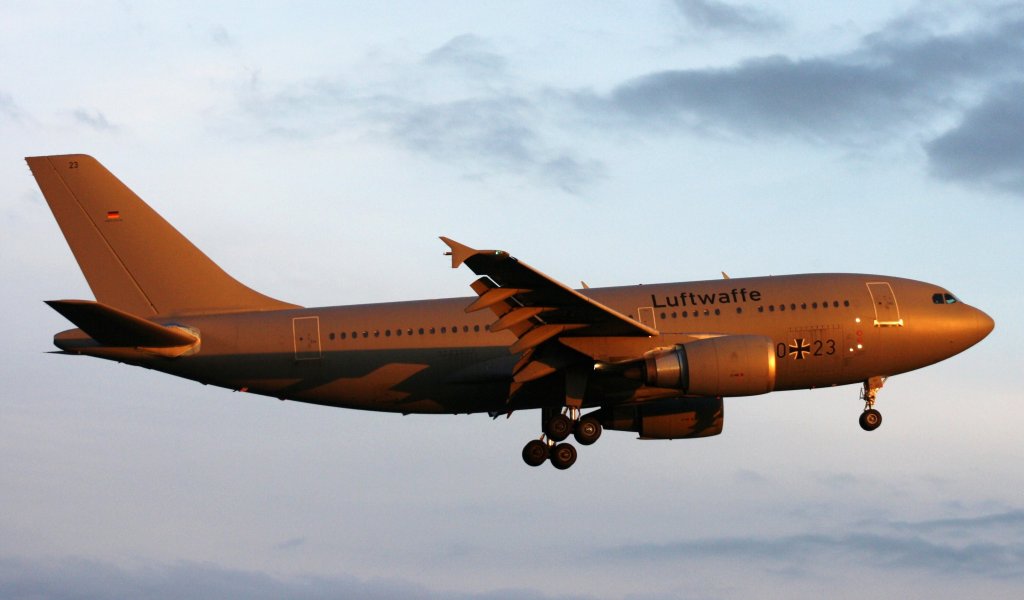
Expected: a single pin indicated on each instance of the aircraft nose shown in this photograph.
(984, 324)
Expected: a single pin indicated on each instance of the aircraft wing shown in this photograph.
(538, 310)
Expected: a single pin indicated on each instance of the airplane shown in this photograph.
(656, 360)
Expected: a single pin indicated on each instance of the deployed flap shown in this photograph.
(561, 304)
(539, 311)
(112, 327)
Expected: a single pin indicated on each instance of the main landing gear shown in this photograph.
(870, 419)
(558, 427)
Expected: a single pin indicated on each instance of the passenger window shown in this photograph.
(476, 329)
(444, 329)
(331, 336)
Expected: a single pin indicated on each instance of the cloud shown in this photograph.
(710, 14)
(482, 130)
(69, 578)
(9, 109)
(987, 147)
(219, 36)
(468, 52)
(903, 82)
(95, 120)
(897, 79)
(974, 551)
(496, 132)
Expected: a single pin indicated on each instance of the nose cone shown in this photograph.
(983, 324)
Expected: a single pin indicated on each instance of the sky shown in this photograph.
(316, 150)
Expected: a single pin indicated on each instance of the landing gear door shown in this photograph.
(306, 331)
(887, 311)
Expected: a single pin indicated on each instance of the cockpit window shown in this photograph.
(945, 298)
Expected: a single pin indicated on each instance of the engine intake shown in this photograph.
(731, 365)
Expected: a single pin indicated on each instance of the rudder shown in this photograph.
(132, 258)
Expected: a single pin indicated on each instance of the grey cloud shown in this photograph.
(9, 109)
(812, 98)
(496, 131)
(220, 36)
(468, 52)
(987, 147)
(1001, 522)
(290, 543)
(95, 120)
(482, 132)
(903, 79)
(710, 14)
(76, 578)
(900, 546)
(892, 81)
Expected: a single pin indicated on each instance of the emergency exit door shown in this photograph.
(306, 331)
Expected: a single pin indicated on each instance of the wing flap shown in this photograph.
(540, 312)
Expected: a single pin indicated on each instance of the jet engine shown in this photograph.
(731, 365)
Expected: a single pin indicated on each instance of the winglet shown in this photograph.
(460, 253)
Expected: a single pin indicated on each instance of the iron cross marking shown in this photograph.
(799, 348)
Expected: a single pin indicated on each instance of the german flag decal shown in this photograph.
(113, 215)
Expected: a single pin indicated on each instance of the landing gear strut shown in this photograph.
(870, 419)
(557, 428)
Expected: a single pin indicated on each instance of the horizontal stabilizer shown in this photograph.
(112, 327)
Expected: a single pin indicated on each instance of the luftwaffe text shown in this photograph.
(697, 299)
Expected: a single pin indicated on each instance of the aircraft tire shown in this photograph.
(870, 419)
(558, 427)
(587, 431)
(563, 456)
(535, 452)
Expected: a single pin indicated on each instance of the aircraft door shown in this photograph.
(306, 332)
(646, 316)
(887, 311)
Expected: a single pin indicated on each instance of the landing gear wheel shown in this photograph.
(870, 419)
(588, 429)
(563, 456)
(535, 452)
(558, 427)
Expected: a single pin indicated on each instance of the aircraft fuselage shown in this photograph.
(431, 356)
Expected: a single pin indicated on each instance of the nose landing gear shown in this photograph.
(870, 419)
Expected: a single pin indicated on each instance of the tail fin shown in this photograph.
(133, 259)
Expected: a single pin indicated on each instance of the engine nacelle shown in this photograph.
(731, 365)
(673, 418)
